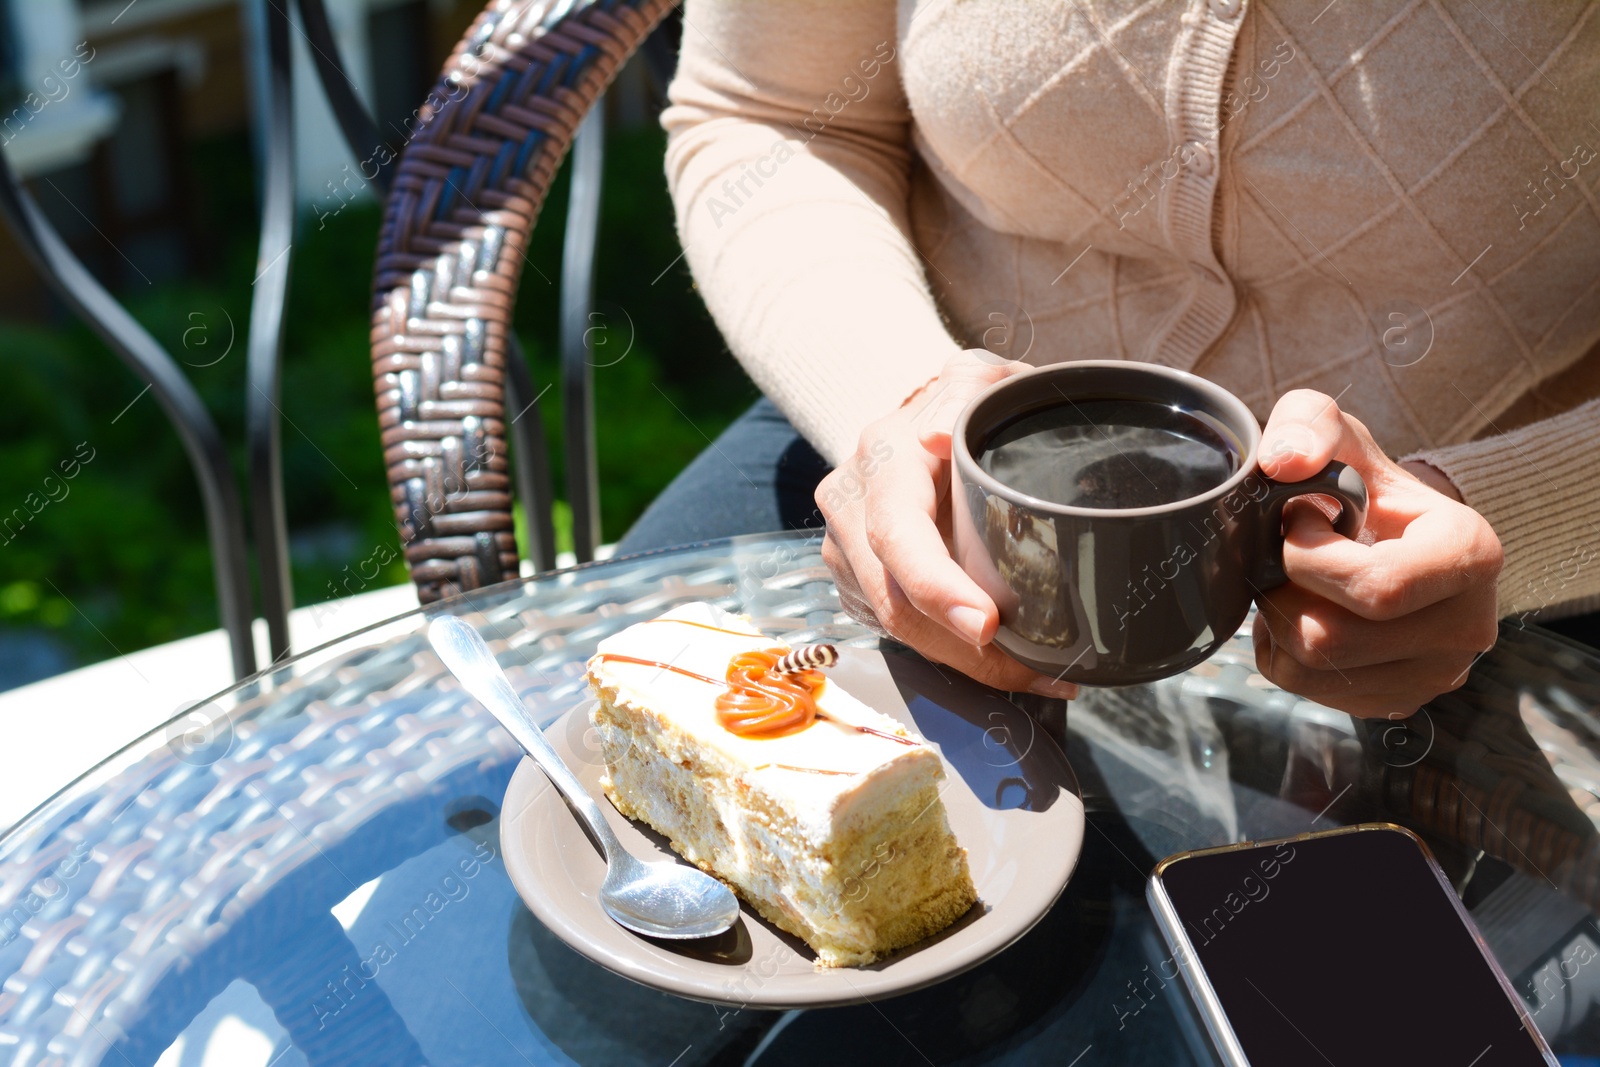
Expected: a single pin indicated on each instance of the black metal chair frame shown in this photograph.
(203, 442)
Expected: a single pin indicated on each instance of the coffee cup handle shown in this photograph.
(1336, 480)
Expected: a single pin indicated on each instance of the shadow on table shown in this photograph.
(1001, 753)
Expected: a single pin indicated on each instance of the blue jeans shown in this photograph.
(760, 475)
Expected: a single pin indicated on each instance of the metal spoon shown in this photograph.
(659, 899)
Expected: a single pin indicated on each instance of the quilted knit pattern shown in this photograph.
(1394, 203)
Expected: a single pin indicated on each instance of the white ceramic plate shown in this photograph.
(1013, 803)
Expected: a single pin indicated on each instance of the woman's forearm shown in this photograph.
(789, 169)
(1538, 488)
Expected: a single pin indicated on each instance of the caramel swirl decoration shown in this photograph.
(761, 702)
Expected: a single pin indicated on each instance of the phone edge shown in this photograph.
(1225, 1042)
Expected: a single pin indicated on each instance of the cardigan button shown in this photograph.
(1199, 159)
(1226, 9)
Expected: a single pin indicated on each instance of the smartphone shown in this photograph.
(1347, 946)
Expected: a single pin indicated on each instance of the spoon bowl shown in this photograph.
(666, 899)
(657, 899)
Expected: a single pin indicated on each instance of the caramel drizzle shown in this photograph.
(806, 770)
(881, 733)
(620, 658)
(702, 625)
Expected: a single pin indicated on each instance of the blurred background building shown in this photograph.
(134, 125)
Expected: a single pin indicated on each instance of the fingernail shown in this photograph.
(1051, 687)
(968, 622)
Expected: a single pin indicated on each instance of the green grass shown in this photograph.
(120, 561)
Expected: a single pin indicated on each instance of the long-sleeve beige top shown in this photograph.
(1395, 203)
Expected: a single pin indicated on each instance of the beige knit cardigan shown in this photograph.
(1394, 203)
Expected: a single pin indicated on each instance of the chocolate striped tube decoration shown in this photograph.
(807, 658)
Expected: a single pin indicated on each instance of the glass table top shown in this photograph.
(306, 869)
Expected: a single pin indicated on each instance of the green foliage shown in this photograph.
(119, 559)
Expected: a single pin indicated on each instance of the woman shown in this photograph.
(1379, 226)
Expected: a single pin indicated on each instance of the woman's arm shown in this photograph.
(1539, 487)
(789, 163)
(788, 160)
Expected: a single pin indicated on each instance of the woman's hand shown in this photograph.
(1379, 626)
(888, 515)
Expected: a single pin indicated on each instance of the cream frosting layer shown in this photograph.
(787, 766)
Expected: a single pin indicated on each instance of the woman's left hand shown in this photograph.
(1375, 629)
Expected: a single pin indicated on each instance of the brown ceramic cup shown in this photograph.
(1129, 595)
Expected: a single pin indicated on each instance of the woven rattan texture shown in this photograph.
(467, 192)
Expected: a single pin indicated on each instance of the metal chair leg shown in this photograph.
(577, 300)
(269, 295)
(133, 344)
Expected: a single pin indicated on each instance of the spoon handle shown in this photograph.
(469, 659)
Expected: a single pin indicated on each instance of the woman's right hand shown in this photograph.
(888, 539)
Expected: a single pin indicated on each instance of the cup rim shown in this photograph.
(1240, 418)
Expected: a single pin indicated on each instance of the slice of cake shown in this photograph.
(823, 814)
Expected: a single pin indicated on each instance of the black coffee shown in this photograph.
(1112, 453)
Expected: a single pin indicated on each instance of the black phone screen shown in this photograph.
(1344, 949)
